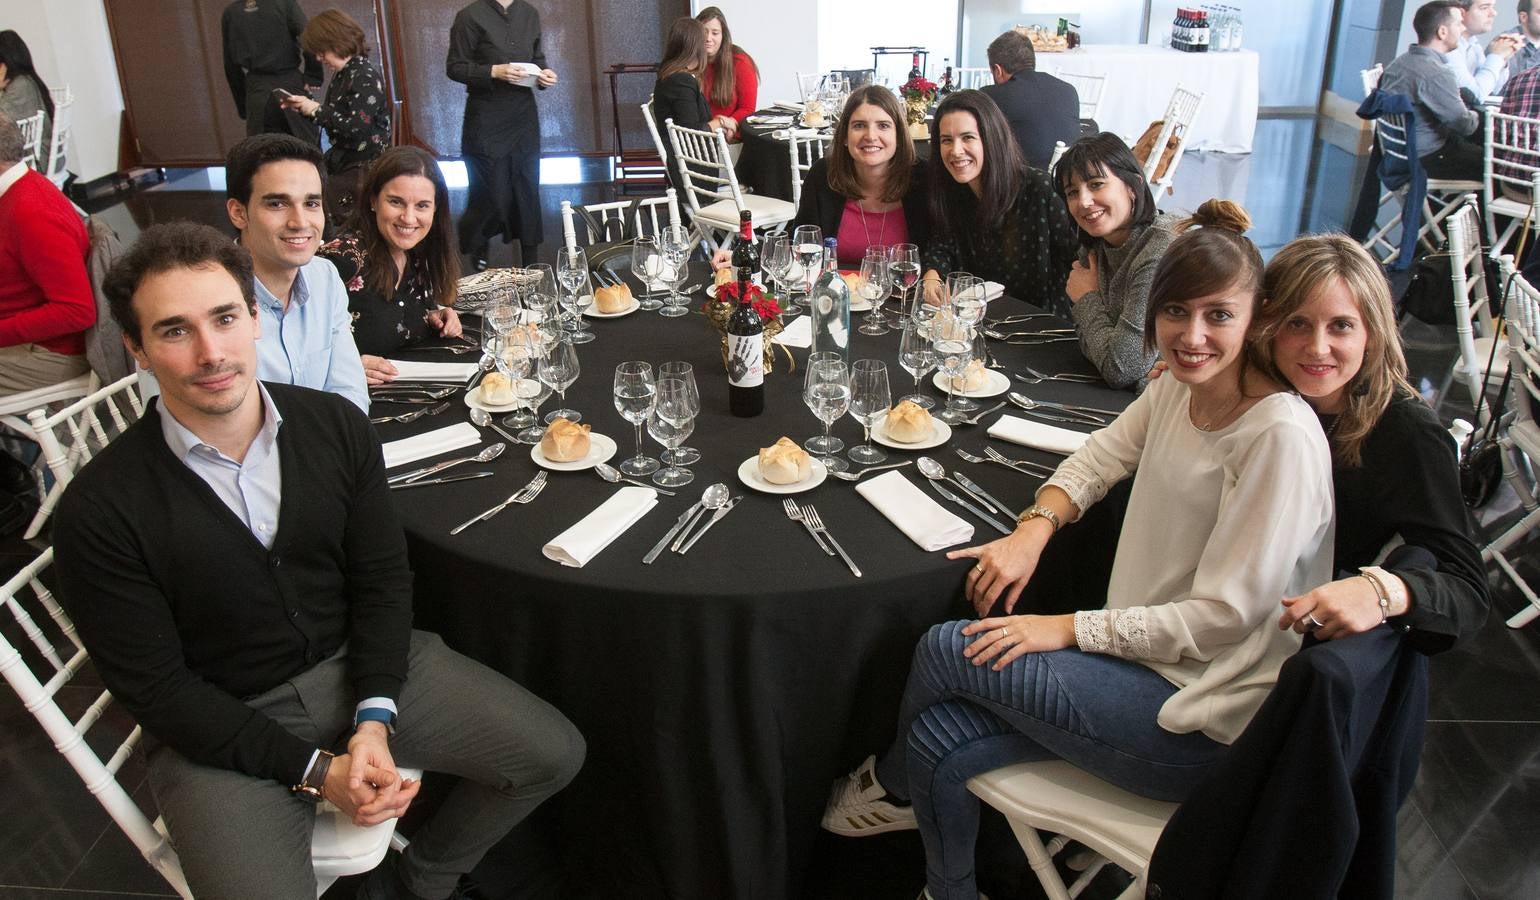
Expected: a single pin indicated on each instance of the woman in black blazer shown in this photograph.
(677, 95)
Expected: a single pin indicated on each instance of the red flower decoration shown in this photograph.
(762, 303)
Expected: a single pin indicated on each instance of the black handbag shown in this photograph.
(1481, 463)
(1427, 296)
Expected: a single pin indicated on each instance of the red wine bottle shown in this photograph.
(745, 252)
(745, 333)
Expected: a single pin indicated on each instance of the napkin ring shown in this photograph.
(1039, 511)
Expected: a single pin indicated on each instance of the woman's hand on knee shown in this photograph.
(1004, 638)
(1004, 566)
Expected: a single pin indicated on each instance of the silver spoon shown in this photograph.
(714, 499)
(1090, 415)
(856, 476)
(612, 475)
(488, 454)
(483, 419)
(935, 471)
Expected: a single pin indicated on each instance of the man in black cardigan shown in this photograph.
(1042, 109)
(235, 569)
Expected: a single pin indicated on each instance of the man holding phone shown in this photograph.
(262, 65)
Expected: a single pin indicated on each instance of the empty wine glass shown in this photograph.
(870, 398)
(559, 369)
(954, 350)
(826, 391)
(917, 357)
(904, 266)
(571, 267)
(807, 256)
(572, 272)
(576, 304)
(670, 422)
(646, 264)
(777, 260)
(683, 371)
(676, 243)
(875, 285)
(636, 391)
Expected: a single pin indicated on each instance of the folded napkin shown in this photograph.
(992, 290)
(793, 105)
(583, 541)
(1036, 434)
(798, 334)
(770, 120)
(407, 370)
(925, 521)
(431, 443)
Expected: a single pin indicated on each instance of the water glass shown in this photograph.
(636, 392)
(577, 303)
(826, 391)
(807, 260)
(917, 357)
(870, 398)
(954, 350)
(683, 371)
(670, 422)
(904, 266)
(558, 370)
(876, 282)
(646, 265)
(675, 242)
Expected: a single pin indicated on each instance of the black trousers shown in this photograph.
(503, 200)
(1457, 159)
(265, 116)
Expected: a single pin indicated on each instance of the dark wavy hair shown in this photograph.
(17, 60)
(842, 169)
(437, 249)
(724, 81)
(1004, 174)
(1105, 154)
(174, 245)
(251, 154)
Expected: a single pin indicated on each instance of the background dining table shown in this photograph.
(764, 166)
(721, 691)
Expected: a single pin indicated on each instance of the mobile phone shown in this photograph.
(281, 94)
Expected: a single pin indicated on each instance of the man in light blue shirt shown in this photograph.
(273, 196)
(1528, 34)
(1482, 72)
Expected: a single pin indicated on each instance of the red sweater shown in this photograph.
(45, 294)
(745, 85)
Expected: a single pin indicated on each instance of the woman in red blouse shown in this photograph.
(731, 80)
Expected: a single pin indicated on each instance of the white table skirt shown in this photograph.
(1140, 80)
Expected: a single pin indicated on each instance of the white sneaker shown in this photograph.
(857, 808)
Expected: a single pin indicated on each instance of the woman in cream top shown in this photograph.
(1230, 512)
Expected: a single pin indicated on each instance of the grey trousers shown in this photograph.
(25, 367)
(244, 837)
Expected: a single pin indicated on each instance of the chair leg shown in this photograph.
(1529, 613)
(1041, 861)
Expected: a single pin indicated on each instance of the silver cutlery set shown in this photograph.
(715, 500)
(809, 518)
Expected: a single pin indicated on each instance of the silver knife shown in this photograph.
(678, 524)
(948, 495)
(467, 476)
(716, 517)
(972, 487)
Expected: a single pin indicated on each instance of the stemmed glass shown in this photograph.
(777, 260)
(558, 370)
(670, 422)
(683, 371)
(904, 266)
(572, 272)
(966, 295)
(577, 303)
(875, 285)
(529, 393)
(675, 243)
(636, 391)
(954, 350)
(646, 265)
(826, 391)
(870, 398)
(917, 357)
(807, 257)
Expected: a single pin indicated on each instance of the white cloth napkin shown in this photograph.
(925, 521)
(432, 371)
(793, 105)
(1036, 434)
(431, 443)
(993, 290)
(583, 541)
(798, 334)
(770, 120)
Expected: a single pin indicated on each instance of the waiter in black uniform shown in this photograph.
(494, 50)
(261, 40)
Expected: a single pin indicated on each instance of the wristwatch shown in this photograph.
(309, 787)
(1039, 511)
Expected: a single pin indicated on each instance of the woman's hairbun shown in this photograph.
(1216, 213)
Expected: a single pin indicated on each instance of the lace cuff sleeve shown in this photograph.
(1081, 483)
(1116, 632)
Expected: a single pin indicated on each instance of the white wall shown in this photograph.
(779, 35)
(71, 46)
(847, 32)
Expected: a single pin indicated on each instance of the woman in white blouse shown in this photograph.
(1231, 511)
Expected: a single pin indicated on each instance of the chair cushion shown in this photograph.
(766, 210)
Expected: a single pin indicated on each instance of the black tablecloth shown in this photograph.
(719, 692)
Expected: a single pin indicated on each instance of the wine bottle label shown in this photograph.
(746, 360)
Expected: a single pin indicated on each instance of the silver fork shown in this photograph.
(996, 456)
(412, 416)
(815, 521)
(982, 413)
(1037, 377)
(794, 513)
(523, 495)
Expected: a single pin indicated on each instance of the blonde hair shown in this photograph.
(1294, 278)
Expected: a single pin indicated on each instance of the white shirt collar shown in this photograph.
(11, 176)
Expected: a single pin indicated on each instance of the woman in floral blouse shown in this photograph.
(355, 113)
(398, 259)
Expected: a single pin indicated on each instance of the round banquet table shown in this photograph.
(720, 692)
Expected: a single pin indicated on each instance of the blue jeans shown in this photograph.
(959, 720)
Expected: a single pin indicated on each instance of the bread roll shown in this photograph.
(908, 423)
(724, 275)
(496, 389)
(612, 299)
(565, 441)
(784, 462)
(975, 376)
(852, 281)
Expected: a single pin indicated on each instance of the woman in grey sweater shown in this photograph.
(22, 93)
(1123, 238)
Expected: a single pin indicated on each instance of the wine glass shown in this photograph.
(917, 357)
(874, 289)
(807, 254)
(646, 263)
(670, 422)
(577, 303)
(683, 371)
(966, 297)
(826, 391)
(572, 272)
(777, 259)
(676, 244)
(954, 350)
(636, 391)
(559, 369)
(904, 264)
(870, 398)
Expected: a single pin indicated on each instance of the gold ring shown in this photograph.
(1004, 633)
(978, 570)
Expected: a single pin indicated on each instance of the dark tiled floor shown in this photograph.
(1468, 831)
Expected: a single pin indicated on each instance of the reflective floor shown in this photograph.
(1469, 830)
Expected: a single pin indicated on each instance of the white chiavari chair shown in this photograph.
(32, 140)
(1089, 88)
(1177, 124)
(803, 146)
(70, 437)
(602, 220)
(972, 77)
(1519, 433)
(63, 118)
(705, 171)
(1472, 311)
(1058, 150)
(652, 129)
(807, 84)
(1371, 77)
(1510, 165)
(1443, 196)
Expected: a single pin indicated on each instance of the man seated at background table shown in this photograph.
(235, 568)
(1444, 121)
(1042, 109)
(46, 303)
(1528, 34)
(273, 197)
(1482, 72)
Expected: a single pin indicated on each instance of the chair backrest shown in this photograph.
(58, 656)
(607, 221)
(1177, 126)
(807, 84)
(63, 117)
(1371, 77)
(1510, 156)
(1523, 327)
(652, 129)
(1390, 131)
(1089, 88)
(972, 77)
(1058, 151)
(804, 146)
(32, 139)
(1468, 276)
(705, 166)
(71, 436)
